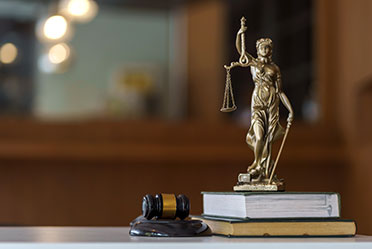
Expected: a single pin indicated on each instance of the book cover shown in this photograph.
(281, 227)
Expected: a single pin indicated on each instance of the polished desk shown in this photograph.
(118, 237)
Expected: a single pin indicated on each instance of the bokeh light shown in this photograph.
(78, 7)
(79, 10)
(55, 27)
(8, 53)
(45, 65)
(59, 53)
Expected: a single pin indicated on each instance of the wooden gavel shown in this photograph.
(165, 206)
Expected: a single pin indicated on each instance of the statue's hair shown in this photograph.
(264, 40)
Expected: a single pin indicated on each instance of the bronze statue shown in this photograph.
(265, 127)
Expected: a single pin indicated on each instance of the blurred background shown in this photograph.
(104, 101)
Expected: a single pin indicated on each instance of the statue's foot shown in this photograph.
(255, 172)
(252, 166)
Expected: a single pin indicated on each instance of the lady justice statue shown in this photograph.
(265, 127)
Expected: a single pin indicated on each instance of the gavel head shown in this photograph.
(165, 206)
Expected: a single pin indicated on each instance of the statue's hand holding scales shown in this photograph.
(265, 127)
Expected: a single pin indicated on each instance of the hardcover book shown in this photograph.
(281, 227)
(260, 205)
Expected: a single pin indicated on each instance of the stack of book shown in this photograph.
(275, 214)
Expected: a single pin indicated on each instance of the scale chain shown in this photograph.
(228, 94)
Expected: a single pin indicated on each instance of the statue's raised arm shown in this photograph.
(245, 59)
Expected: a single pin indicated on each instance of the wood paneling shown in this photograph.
(95, 173)
(70, 193)
(354, 71)
(206, 26)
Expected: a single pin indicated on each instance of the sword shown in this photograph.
(280, 151)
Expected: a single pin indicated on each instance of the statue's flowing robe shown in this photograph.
(265, 111)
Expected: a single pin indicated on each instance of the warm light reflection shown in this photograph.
(79, 10)
(78, 7)
(59, 53)
(55, 27)
(8, 53)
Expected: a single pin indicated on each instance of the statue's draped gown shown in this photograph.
(265, 111)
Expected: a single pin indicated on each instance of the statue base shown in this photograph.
(245, 183)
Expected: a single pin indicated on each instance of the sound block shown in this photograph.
(168, 228)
